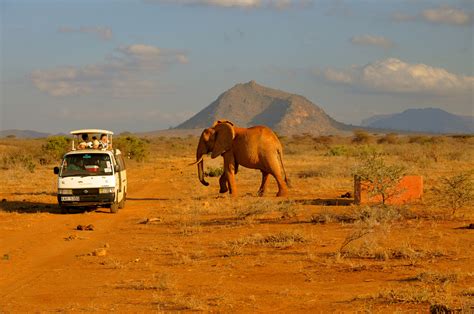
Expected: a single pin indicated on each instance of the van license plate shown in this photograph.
(70, 198)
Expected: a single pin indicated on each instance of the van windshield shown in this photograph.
(86, 165)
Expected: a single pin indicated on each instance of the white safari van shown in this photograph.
(93, 173)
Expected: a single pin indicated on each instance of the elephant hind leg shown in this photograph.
(263, 186)
(282, 187)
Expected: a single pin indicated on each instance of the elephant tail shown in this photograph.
(287, 181)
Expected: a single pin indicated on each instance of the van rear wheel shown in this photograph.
(114, 208)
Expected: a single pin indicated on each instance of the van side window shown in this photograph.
(120, 162)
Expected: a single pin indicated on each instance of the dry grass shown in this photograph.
(281, 240)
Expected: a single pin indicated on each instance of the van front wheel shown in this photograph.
(114, 208)
(64, 209)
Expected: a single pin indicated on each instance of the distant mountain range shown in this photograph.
(23, 134)
(252, 104)
(427, 120)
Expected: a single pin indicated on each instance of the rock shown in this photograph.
(85, 227)
(71, 237)
(150, 220)
(99, 252)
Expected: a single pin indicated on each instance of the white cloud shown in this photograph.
(104, 33)
(246, 4)
(333, 75)
(446, 15)
(439, 15)
(129, 72)
(140, 50)
(395, 76)
(371, 40)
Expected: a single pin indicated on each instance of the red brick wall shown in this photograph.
(409, 188)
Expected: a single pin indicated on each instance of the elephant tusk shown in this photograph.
(196, 162)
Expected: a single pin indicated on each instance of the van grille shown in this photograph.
(85, 191)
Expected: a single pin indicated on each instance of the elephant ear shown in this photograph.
(224, 136)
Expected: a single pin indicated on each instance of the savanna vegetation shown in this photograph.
(180, 246)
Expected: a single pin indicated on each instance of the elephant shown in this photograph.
(256, 147)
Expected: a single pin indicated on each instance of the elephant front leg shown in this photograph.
(223, 183)
(263, 186)
(229, 172)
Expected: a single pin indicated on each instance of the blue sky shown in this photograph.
(150, 64)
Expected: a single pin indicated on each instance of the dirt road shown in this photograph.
(202, 251)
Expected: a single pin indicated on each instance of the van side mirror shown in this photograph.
(117, 168)
(56, 170)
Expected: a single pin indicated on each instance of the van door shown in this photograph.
(122, 178)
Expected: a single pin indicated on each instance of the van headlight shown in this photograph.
(106, 190)
(65, 191)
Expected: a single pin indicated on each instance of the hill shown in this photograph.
(23, 134)
(431, 120)
(252, 104)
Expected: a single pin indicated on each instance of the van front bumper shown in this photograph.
(86, 200)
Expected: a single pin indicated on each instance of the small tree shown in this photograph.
(456, 191)
(382, 178)
(132, 146)
(55, 147)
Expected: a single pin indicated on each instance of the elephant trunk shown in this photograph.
(201, 150)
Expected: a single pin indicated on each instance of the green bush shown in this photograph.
(456, 191)
(133, 147)
(214, 172)
(337, 151)
(55, 147)
(382, 177)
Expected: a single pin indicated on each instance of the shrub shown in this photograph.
(382, 177)
(214, 172)
(420, 139)
(337, 151)
(55, 147)
(132, 146)
(361, 137)
(18, 160)
(390, 138)
(456, 191)
(323, 139)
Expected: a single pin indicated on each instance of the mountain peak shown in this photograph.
(252, 83)
(249, 104)
(432, 120)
